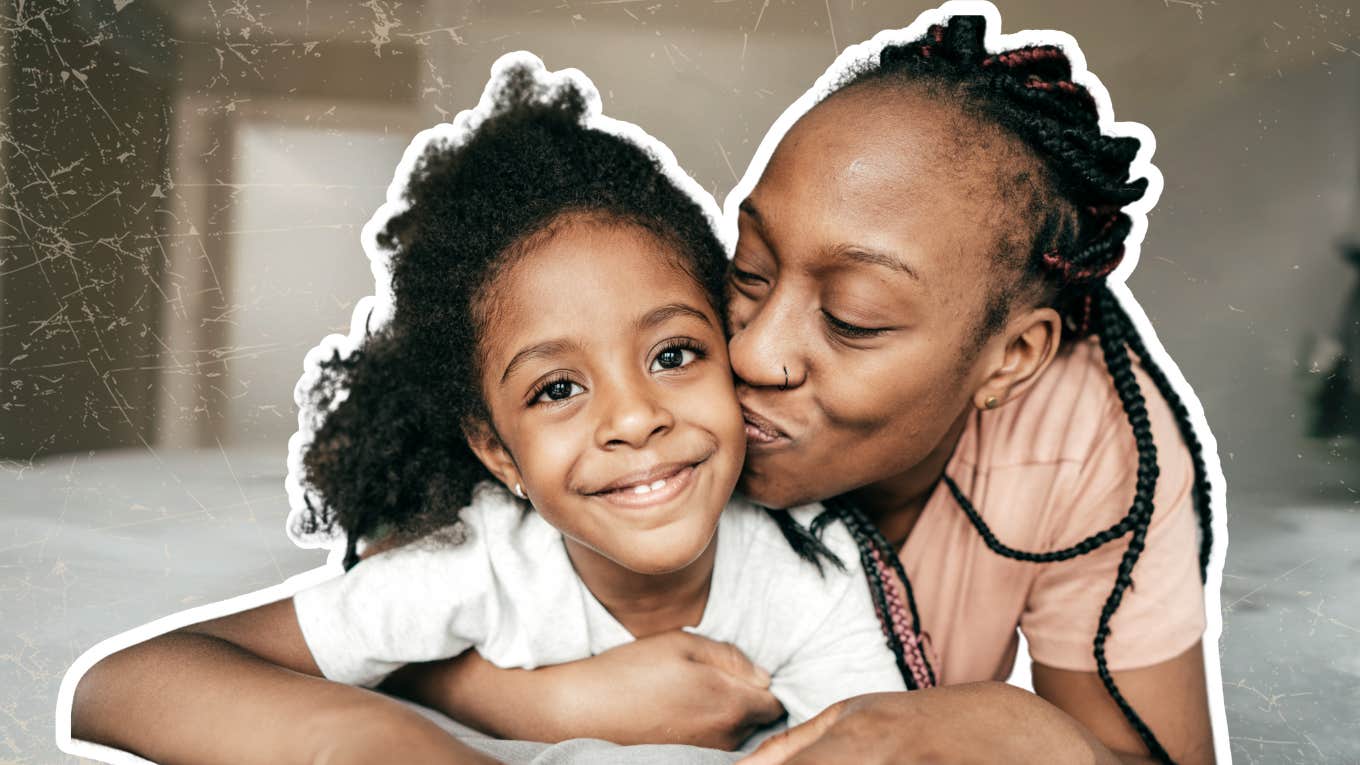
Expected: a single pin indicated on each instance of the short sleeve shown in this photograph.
(1162, 612)
(398, 607)
(847, 654)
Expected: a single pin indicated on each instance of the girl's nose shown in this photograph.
(632, 416)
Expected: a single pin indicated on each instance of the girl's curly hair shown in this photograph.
(390, 453)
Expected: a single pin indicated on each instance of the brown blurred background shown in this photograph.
(183, 189)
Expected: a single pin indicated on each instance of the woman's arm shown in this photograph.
(1074, 721)
(241, 689)
(675, 687)
(1170, 697)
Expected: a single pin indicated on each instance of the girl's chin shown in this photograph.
(661, 556)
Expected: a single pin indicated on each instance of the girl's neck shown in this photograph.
(646, 604)
(896, 503)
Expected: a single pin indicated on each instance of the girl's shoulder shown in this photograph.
(492, 519)
(755, 533)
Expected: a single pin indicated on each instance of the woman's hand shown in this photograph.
(972, 723)
(675, 687)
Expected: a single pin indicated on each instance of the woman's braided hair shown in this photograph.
(1078, 229)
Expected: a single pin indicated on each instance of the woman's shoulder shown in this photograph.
(1071, 434)
(1070, 412)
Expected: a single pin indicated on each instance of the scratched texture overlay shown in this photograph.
(183, 188)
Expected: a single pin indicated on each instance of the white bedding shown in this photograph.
(91, 546)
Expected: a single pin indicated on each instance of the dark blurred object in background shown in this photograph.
(1337, 402)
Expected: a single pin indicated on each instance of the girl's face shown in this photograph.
(606, 375)
(860, 278)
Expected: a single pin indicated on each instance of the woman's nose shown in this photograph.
(765, 348)
(632, 415)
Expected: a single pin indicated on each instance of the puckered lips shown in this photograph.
(651, 486)
(761, 432)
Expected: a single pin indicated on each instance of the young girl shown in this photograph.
(554, 365)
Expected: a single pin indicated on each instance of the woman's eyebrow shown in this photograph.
(860, 254)
(749, 207)
(546, 349)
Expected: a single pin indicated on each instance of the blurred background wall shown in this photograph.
(184, 184)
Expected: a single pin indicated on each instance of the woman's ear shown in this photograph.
(1031, 342)
(483, 441)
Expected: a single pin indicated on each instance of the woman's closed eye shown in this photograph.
(854, 331)
(746, 277)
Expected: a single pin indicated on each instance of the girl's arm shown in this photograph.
(244, 688)
(675, 687)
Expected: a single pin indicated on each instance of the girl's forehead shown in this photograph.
(588, 280)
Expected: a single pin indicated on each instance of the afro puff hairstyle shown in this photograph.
(388, 452)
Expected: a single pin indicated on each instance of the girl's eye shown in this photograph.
(849, 330)
(674, 357)
(557, 390)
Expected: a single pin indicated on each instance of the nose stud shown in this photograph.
(785, 386)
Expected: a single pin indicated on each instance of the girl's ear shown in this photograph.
(1032, 340)
(483, 441)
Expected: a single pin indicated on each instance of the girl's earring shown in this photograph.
(991, 403)
(519, 492)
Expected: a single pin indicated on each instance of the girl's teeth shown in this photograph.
(648, 489)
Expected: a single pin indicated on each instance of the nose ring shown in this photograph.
(785, 386)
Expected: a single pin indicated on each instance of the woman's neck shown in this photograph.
(646, 604)
(896, 503)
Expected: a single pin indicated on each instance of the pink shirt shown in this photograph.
(1044, 472)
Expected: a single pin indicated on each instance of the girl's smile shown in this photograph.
(650, 487)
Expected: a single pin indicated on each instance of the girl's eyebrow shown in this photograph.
(663, 314)
(549, 348)
(546, 349)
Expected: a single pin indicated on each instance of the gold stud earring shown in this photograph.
(991, 403)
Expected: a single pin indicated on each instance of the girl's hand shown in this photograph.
(973, 723)
(675, 687)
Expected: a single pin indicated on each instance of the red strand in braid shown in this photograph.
(913, 645)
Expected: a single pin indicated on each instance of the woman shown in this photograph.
(922, 330)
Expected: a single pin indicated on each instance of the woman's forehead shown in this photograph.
(881, 161)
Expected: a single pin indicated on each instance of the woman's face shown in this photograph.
(860, 278)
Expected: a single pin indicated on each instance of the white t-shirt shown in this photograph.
(508, 589)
